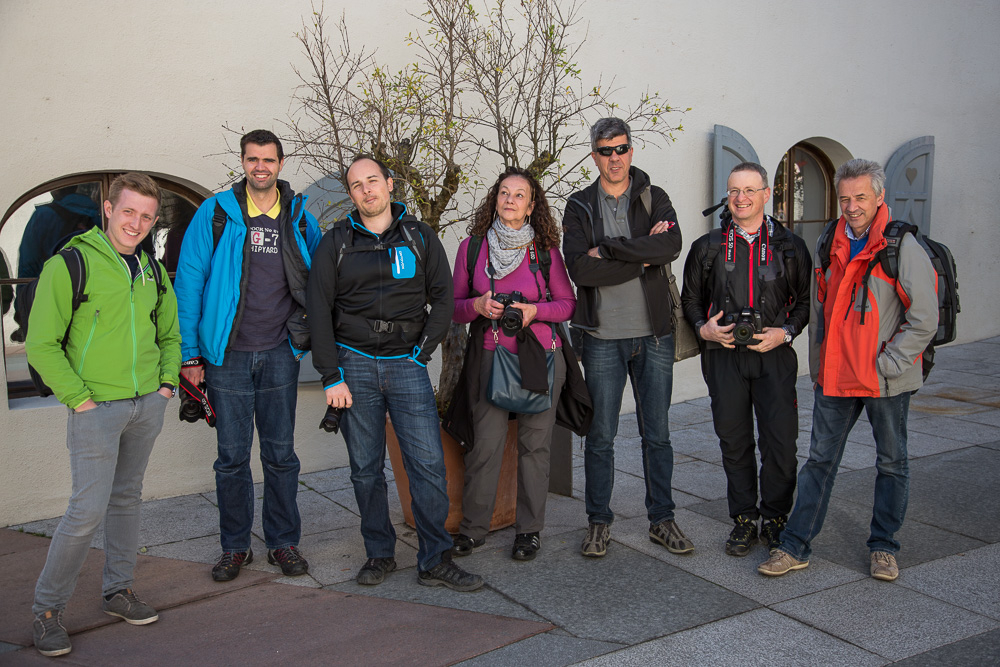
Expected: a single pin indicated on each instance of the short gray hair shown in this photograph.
(859, 167)
(751, 166)
(609, 128)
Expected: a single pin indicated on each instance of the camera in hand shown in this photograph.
(331, 420)
(191, 409)
(747, 324)
(512, 319)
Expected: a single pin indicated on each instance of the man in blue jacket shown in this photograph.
(241, 283)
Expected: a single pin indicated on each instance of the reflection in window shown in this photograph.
(803, 191)
(41, 222)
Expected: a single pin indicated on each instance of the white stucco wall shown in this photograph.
(149, 85)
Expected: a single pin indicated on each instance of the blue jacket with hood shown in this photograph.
(210, 282)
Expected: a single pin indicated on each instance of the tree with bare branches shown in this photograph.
(493, 83)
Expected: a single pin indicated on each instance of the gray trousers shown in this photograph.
(109, 447)
(482, 464)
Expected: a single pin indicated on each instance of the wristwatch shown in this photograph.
(788, 335)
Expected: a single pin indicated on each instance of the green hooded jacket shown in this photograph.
(111, 350)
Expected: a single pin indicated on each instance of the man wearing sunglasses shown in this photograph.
(619, 234)
(746, 293)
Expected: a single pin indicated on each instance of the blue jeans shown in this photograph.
(109, 447)
(404, 389)
(261, 387)
(649, 363)
(833, 419)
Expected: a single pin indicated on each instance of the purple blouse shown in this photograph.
(559, 309)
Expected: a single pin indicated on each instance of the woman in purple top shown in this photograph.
(514, 216)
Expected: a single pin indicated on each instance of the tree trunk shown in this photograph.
(452, 354)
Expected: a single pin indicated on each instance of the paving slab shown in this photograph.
(335, 556)
(207, 550)
(965, 478)
(892, 621)
(689, 414)
(318, 513)
(301, 626)
(739, 575)
(13, 540)
(160, 521)
(963, 430)
(628, 497)
(989, 383)
(978, 650)
(700, 479)
(937, 404)
(7, 648)
(555, 650)
(654, 599)
(742, 641)
(162, 582)
(968, 580)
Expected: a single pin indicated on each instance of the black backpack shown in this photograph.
(78, 279)
(942, 261)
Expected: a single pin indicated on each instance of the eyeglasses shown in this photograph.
(606, 151)
(747, 192)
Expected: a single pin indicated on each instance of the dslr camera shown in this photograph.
(747, 324)
(512, 319)
(331, 420)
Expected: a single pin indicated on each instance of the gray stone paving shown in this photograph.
(643, 605)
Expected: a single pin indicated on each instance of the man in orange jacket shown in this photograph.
(866, 342)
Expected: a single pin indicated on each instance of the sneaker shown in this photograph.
(669, 535)
(291, 561)
(446, 573)
(228, 567)
(779, 563)
(595, 544)
(770, 531)
(373, 572)
(884, 566)
(51, 638)
(526, 545)
(462, 545)
(125, 604)
(742, 537)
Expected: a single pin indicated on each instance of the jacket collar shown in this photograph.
(876, 238)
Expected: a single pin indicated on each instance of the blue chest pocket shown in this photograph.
(404, 262)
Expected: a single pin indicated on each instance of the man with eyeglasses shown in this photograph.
(619, 234)
(746, 293)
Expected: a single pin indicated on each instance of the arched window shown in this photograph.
(41, 219)
(803, 191)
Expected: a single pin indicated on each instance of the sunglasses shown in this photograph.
(606, 151)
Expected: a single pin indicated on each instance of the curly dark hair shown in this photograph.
(546, 229)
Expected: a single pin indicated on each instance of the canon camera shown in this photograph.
(512, 319)
(747, 324)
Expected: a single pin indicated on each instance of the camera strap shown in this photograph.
(534, 266)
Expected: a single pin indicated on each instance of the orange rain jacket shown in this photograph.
(882, 356)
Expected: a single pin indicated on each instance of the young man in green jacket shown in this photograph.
(115, 374)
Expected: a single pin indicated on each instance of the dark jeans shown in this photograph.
(648, 362)
(833, 419)
(404, 389)
(742, 382)
(259, 387)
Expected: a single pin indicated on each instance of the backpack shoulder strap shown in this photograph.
(342, 235)
(77, 274)
(218, 224)
(410, 231)
(824, 244)
(888, 256)
(472, 256)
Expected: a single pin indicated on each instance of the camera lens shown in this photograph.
(190, 410)
(331, 420)
(511, 321)
(743, 334)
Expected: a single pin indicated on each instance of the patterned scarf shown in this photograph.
(507, 246)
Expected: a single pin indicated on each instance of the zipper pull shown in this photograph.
(854, 289)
